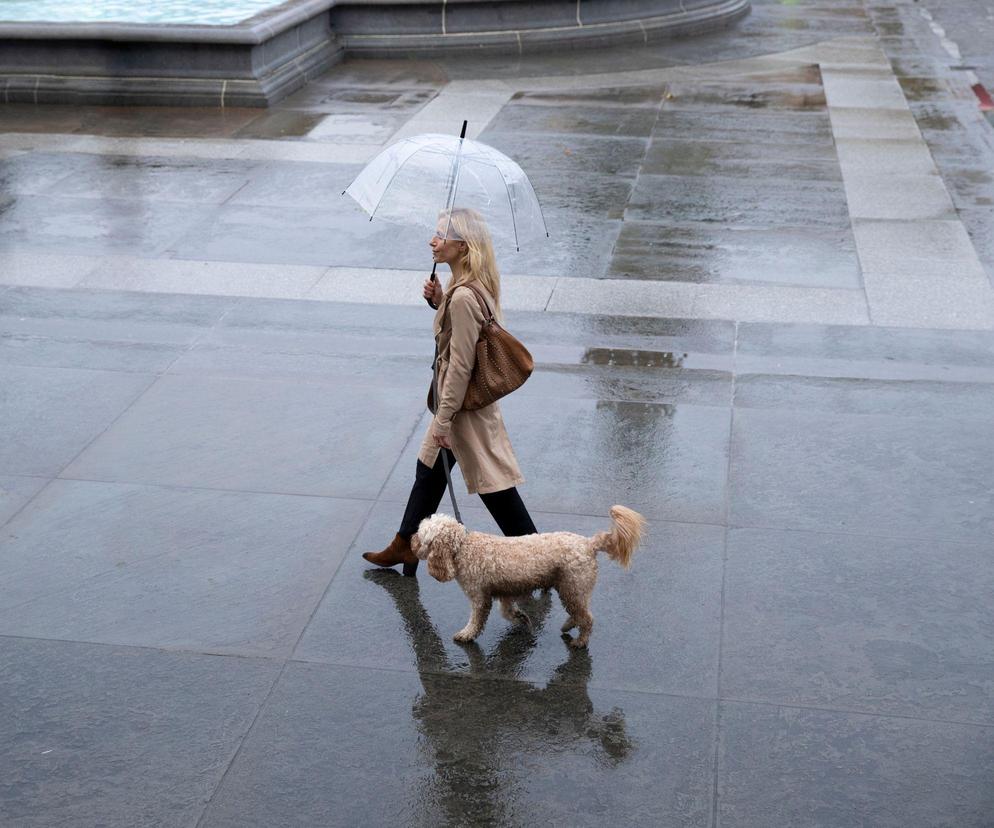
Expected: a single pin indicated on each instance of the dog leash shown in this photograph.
(443, 451)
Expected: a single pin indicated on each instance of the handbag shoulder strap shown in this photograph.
(487, 312)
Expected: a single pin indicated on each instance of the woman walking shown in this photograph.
(476, 439)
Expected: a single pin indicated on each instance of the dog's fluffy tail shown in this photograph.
(623, 539)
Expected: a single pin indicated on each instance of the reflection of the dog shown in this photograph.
(484, 733)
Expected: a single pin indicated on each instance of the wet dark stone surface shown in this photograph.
(467, 750)
(826, 768)
(103, 735)
(803, 638)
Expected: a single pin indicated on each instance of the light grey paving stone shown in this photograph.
(297, 184)
(245, 434)
(887, 246)
(885, 156)
(31, 173)
(584, 154)
(469, 751)
(49, 415)
(822, 471)
(623, 297)
(865, 624)
(853, 92)
(15, 492)
(341, 235)
(706, 254)
(582, 120)
(666, 461)
(98, 735)
(763, 303)
(813, 768)
(856, 123)
(931, 295)
(913, 397)
(153, 179)
(739, 202)
(912, 197)
(25, 267)
(200, 277)
(404, 287)
(217, 572)
(161, 318)
(737, 302)
(102, 226)
(379, 619)
(83, 349)
(868, 352)
(744, 160)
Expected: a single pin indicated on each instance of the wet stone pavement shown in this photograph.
(764, 320)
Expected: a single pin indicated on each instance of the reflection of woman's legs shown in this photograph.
(509, 511)
(426, 494)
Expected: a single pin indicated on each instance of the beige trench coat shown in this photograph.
(479, 439)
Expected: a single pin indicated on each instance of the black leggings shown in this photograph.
(505, 506)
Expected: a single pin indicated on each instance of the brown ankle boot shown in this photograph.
(398, 552)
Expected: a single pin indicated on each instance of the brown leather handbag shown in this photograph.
(502, 363)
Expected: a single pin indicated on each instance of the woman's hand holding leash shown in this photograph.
(442, 441)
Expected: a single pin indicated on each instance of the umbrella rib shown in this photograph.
(510, 206)
(392, 177)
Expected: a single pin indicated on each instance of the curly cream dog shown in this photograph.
(488, 567)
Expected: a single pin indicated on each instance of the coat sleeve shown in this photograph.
(466, 319)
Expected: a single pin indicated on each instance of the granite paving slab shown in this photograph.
(103, 735)
(875, 625)
(464, 750)
(823, 768)
(583, 154)
(824, 471)
(19, 267)
(291, 437)
(913, 397)
(152, 179)
(744, 160)
(15, 492)
(739, 202)
(577, 460)
(585, 120)
(290, 234)
(98, 226)
(192, 569)
(42, 433)
(716, 254)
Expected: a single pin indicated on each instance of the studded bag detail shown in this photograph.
(502, 363)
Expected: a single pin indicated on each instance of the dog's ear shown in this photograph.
(441, 567)
(442, 550)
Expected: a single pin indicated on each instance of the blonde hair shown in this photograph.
(478, 262)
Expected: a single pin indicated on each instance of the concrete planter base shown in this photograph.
(395, 29)
(260, 61)
(251, 64)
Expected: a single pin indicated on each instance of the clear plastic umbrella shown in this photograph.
(414, 180)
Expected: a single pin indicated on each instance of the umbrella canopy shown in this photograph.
(411, 181)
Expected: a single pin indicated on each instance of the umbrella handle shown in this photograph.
(432, 277)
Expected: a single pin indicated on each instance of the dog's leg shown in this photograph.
(576, 600)
(586, 627)
(477, 619)
(512, 612)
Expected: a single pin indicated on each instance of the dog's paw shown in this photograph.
(578, 643)
(463, 637)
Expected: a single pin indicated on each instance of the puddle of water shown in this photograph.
(624, 357)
